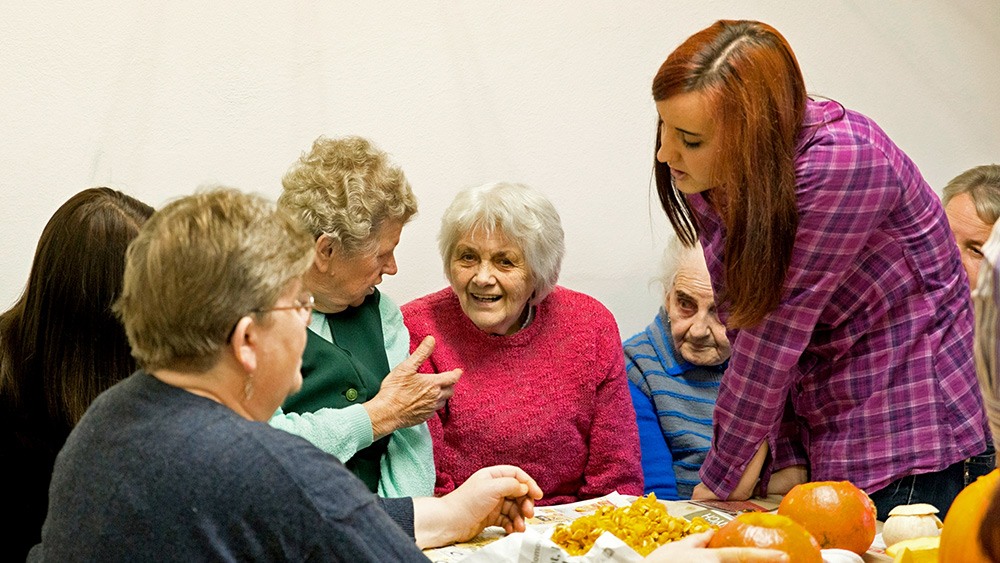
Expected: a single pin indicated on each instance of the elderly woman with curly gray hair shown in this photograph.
(361, 398)
(543, 382)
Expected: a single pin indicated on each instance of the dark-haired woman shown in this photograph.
(61, 346)
(850, 318)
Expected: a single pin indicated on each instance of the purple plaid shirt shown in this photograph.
(871, 345)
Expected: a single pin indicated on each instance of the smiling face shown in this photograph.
(698, 334)
(340, 280)
(491, 278)
(687, 143)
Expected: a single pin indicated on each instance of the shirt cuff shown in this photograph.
(401, 512)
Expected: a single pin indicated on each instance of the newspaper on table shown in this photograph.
(534, 545)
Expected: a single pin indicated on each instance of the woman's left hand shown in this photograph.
(783, 480)
(701, 492)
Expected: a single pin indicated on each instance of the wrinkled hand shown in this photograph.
(501, 495)
(693, 549)
(407, 397)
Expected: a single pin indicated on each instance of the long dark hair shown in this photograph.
(60, 344)
(749, 75)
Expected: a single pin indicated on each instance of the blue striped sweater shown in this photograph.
(673, 402)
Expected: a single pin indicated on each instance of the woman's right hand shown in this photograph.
(407, 397)
(693, 549)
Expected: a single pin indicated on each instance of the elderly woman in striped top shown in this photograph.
(674, 369)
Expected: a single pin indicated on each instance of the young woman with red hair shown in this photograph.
(836, 274)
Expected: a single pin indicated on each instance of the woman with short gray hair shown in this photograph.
(544, 380)
(522, 214)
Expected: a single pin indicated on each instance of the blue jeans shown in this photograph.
(938, 489)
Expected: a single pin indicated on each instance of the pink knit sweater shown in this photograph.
(552, 398)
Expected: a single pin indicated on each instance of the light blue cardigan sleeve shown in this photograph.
(339, 432)
(408, 465)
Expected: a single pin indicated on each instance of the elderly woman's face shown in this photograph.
(699, 336)
(491, 278)
(339, 280)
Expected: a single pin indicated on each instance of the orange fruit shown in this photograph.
(760, 529)
(837, 513)
(960, 535)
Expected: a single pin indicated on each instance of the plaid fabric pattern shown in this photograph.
(871, 345)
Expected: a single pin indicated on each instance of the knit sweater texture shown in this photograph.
(552, 398)
(155, 473)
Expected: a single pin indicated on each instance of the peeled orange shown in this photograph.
(837, 513)
(758, 529)
(908, 521)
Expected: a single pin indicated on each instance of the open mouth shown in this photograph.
(486, 298)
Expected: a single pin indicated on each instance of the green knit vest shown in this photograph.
(346, 372)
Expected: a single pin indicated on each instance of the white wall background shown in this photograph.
(157, 97)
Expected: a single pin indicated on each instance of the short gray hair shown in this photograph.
(522, 214)
(675, 255)
(347, 188)
(198, 266)
(982, 183)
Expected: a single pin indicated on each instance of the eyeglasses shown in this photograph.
(303, 305)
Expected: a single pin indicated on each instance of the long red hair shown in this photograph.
(748, 74)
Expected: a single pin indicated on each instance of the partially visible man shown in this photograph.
(986, 298)
(674, 369)
(972, 202)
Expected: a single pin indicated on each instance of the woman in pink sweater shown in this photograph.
(544, 383)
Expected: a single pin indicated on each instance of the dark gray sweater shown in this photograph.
(153, 472)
